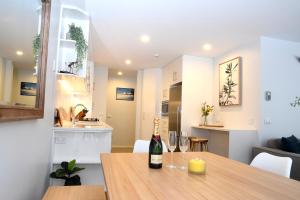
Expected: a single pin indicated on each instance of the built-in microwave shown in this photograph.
(164, 108)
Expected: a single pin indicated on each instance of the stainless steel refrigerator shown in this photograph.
(175, 110)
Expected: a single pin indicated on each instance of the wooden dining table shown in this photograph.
(127, 176)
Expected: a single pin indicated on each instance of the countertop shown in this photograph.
(84, 127)
(222, 129)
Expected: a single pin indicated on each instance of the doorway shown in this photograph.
(121, 108)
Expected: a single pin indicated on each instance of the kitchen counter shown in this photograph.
(233, 143)
(222, 129)
(84, 127)
(83, 142)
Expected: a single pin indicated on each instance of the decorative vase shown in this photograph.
(205, 120)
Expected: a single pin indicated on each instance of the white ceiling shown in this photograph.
(179, 27)
(18, 26)
(176, 27)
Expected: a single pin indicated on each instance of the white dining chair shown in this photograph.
(278, 165)
(142, 146)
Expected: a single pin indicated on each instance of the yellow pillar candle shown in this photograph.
(197, 166)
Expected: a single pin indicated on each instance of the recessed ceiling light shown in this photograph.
(156, 55)
(120, 73)
(127, 62)
(145, 38)
(207, 47)
(19, 53)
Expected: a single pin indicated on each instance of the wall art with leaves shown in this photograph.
(229, 82)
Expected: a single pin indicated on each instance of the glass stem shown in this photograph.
(172, 158)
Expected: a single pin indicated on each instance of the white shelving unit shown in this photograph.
(66, 52)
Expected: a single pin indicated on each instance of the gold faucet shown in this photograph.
(80, 115)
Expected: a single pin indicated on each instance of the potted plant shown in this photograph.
(36, 45)
(66, 172)
(81, 46)
(206, 110)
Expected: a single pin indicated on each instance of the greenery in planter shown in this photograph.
(36, 45)
(68, 169)
(206, 110)
(76, 34)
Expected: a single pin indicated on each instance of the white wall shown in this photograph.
(246, 115)
(280, 75)
(197, 81)
(100, 92)
(149, 106)
(120, 113)
(25, 145)
(2, 71)
(8, 81)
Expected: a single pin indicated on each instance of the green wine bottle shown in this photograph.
(155, 148)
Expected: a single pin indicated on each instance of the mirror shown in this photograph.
(23, 55)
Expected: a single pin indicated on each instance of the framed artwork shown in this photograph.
(126, 94)
(28, 89)
(229, 82)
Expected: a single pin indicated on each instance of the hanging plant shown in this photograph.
(76, 34)
(36, 45)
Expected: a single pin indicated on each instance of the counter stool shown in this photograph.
(197, 141)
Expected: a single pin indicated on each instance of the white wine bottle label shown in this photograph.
(156, 159)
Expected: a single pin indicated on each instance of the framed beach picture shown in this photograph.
(28, 89)
(126, 94)
(229, 82)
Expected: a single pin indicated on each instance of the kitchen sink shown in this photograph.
(88, 123)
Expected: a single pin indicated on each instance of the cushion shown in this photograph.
(290, 144)
(274, 143)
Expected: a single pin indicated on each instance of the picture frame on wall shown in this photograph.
(28, 89)
(230, 82)
(125, 94)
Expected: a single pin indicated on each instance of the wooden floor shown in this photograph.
(122, 149)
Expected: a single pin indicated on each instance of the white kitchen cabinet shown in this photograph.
(82, 144)
(66, 51)
(171, 74)
(85, 144)
(165, 84)
(175, 71)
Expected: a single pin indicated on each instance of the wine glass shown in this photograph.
(172, 146)
(183, 145)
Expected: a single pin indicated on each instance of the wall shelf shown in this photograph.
(66, 50)
(67, 43)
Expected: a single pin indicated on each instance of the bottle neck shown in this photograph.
(156, 127)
